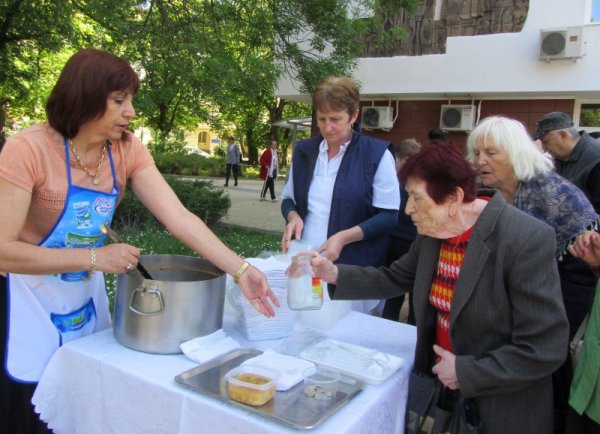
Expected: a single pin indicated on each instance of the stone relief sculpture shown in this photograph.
(424, 34)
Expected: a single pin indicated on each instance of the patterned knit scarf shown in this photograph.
(556, 201)
(452, 253)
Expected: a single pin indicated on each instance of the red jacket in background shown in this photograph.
(265, 163)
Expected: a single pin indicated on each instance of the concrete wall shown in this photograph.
(500, 65)
(499, 74)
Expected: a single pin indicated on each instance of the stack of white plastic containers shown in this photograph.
(254, 325)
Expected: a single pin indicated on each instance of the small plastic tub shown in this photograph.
(251, 385)
(321, 383)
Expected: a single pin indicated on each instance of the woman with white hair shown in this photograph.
(506, 159)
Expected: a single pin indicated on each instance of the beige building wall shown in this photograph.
(202, 138)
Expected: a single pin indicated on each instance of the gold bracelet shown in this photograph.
(92, 269)
(242, 270)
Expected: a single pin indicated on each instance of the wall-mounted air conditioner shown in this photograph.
(377, 117)
(455, 117)
(561, 43)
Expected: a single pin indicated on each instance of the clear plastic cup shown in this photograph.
(321, 383)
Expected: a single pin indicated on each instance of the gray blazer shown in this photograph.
(508, 325)
(234, 156)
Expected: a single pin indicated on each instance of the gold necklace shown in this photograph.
(95, 178)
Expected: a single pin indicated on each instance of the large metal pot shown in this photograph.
(185, 300)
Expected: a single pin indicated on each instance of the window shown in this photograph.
(587, 115)
(596, 11)
(203, 139)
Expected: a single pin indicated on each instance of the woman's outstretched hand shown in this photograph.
(256, 289)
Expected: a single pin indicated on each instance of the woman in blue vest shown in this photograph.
(342, 196)
(59, 181)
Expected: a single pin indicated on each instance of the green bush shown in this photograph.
(189, 165)
(178, 163)
(198, 196)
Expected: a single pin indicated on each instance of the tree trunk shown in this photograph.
(252, 148)
(3, 110)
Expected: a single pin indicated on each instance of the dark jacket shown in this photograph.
(405, 229)
(582, 168)
(507, 320)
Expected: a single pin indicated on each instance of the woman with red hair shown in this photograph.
(490, 320)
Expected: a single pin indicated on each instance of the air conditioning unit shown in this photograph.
(377, 117)
(562, 43)
(454, 117)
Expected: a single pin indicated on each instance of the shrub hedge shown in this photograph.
(189, 165)
(198, 196)
(195, 165)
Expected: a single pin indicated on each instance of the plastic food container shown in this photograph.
(251, 385)
(321, 383)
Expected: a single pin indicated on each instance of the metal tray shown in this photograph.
(291, 407)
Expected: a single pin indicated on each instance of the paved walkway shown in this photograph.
(246, 208)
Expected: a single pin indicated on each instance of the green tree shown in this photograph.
(199, 60)
(30, 30)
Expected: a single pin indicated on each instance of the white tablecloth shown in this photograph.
(95, 385)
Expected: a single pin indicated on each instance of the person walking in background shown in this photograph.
(342, 195)
(59, 181)
(402, 236)
(269, 166)
(490, 320)
(234, 157)
(576, 157)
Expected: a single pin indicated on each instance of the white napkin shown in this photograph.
(289, 368)
(206, 348)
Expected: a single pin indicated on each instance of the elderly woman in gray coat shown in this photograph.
(490, 319)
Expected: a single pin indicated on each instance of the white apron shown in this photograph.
(44, 312)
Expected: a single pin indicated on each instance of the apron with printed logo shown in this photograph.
(44, 312)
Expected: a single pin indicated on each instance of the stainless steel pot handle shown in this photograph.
(146, 301)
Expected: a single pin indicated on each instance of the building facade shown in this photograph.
(464, 60)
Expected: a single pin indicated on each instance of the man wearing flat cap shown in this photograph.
(577, 158)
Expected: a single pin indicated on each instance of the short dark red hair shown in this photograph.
(83, 87)
(443, 168)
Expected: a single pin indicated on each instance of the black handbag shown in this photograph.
(434, 409)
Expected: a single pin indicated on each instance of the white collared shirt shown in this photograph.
(274, 162)
(386, 191)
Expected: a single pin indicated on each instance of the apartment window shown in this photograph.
(203, 139)
(589, 116)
